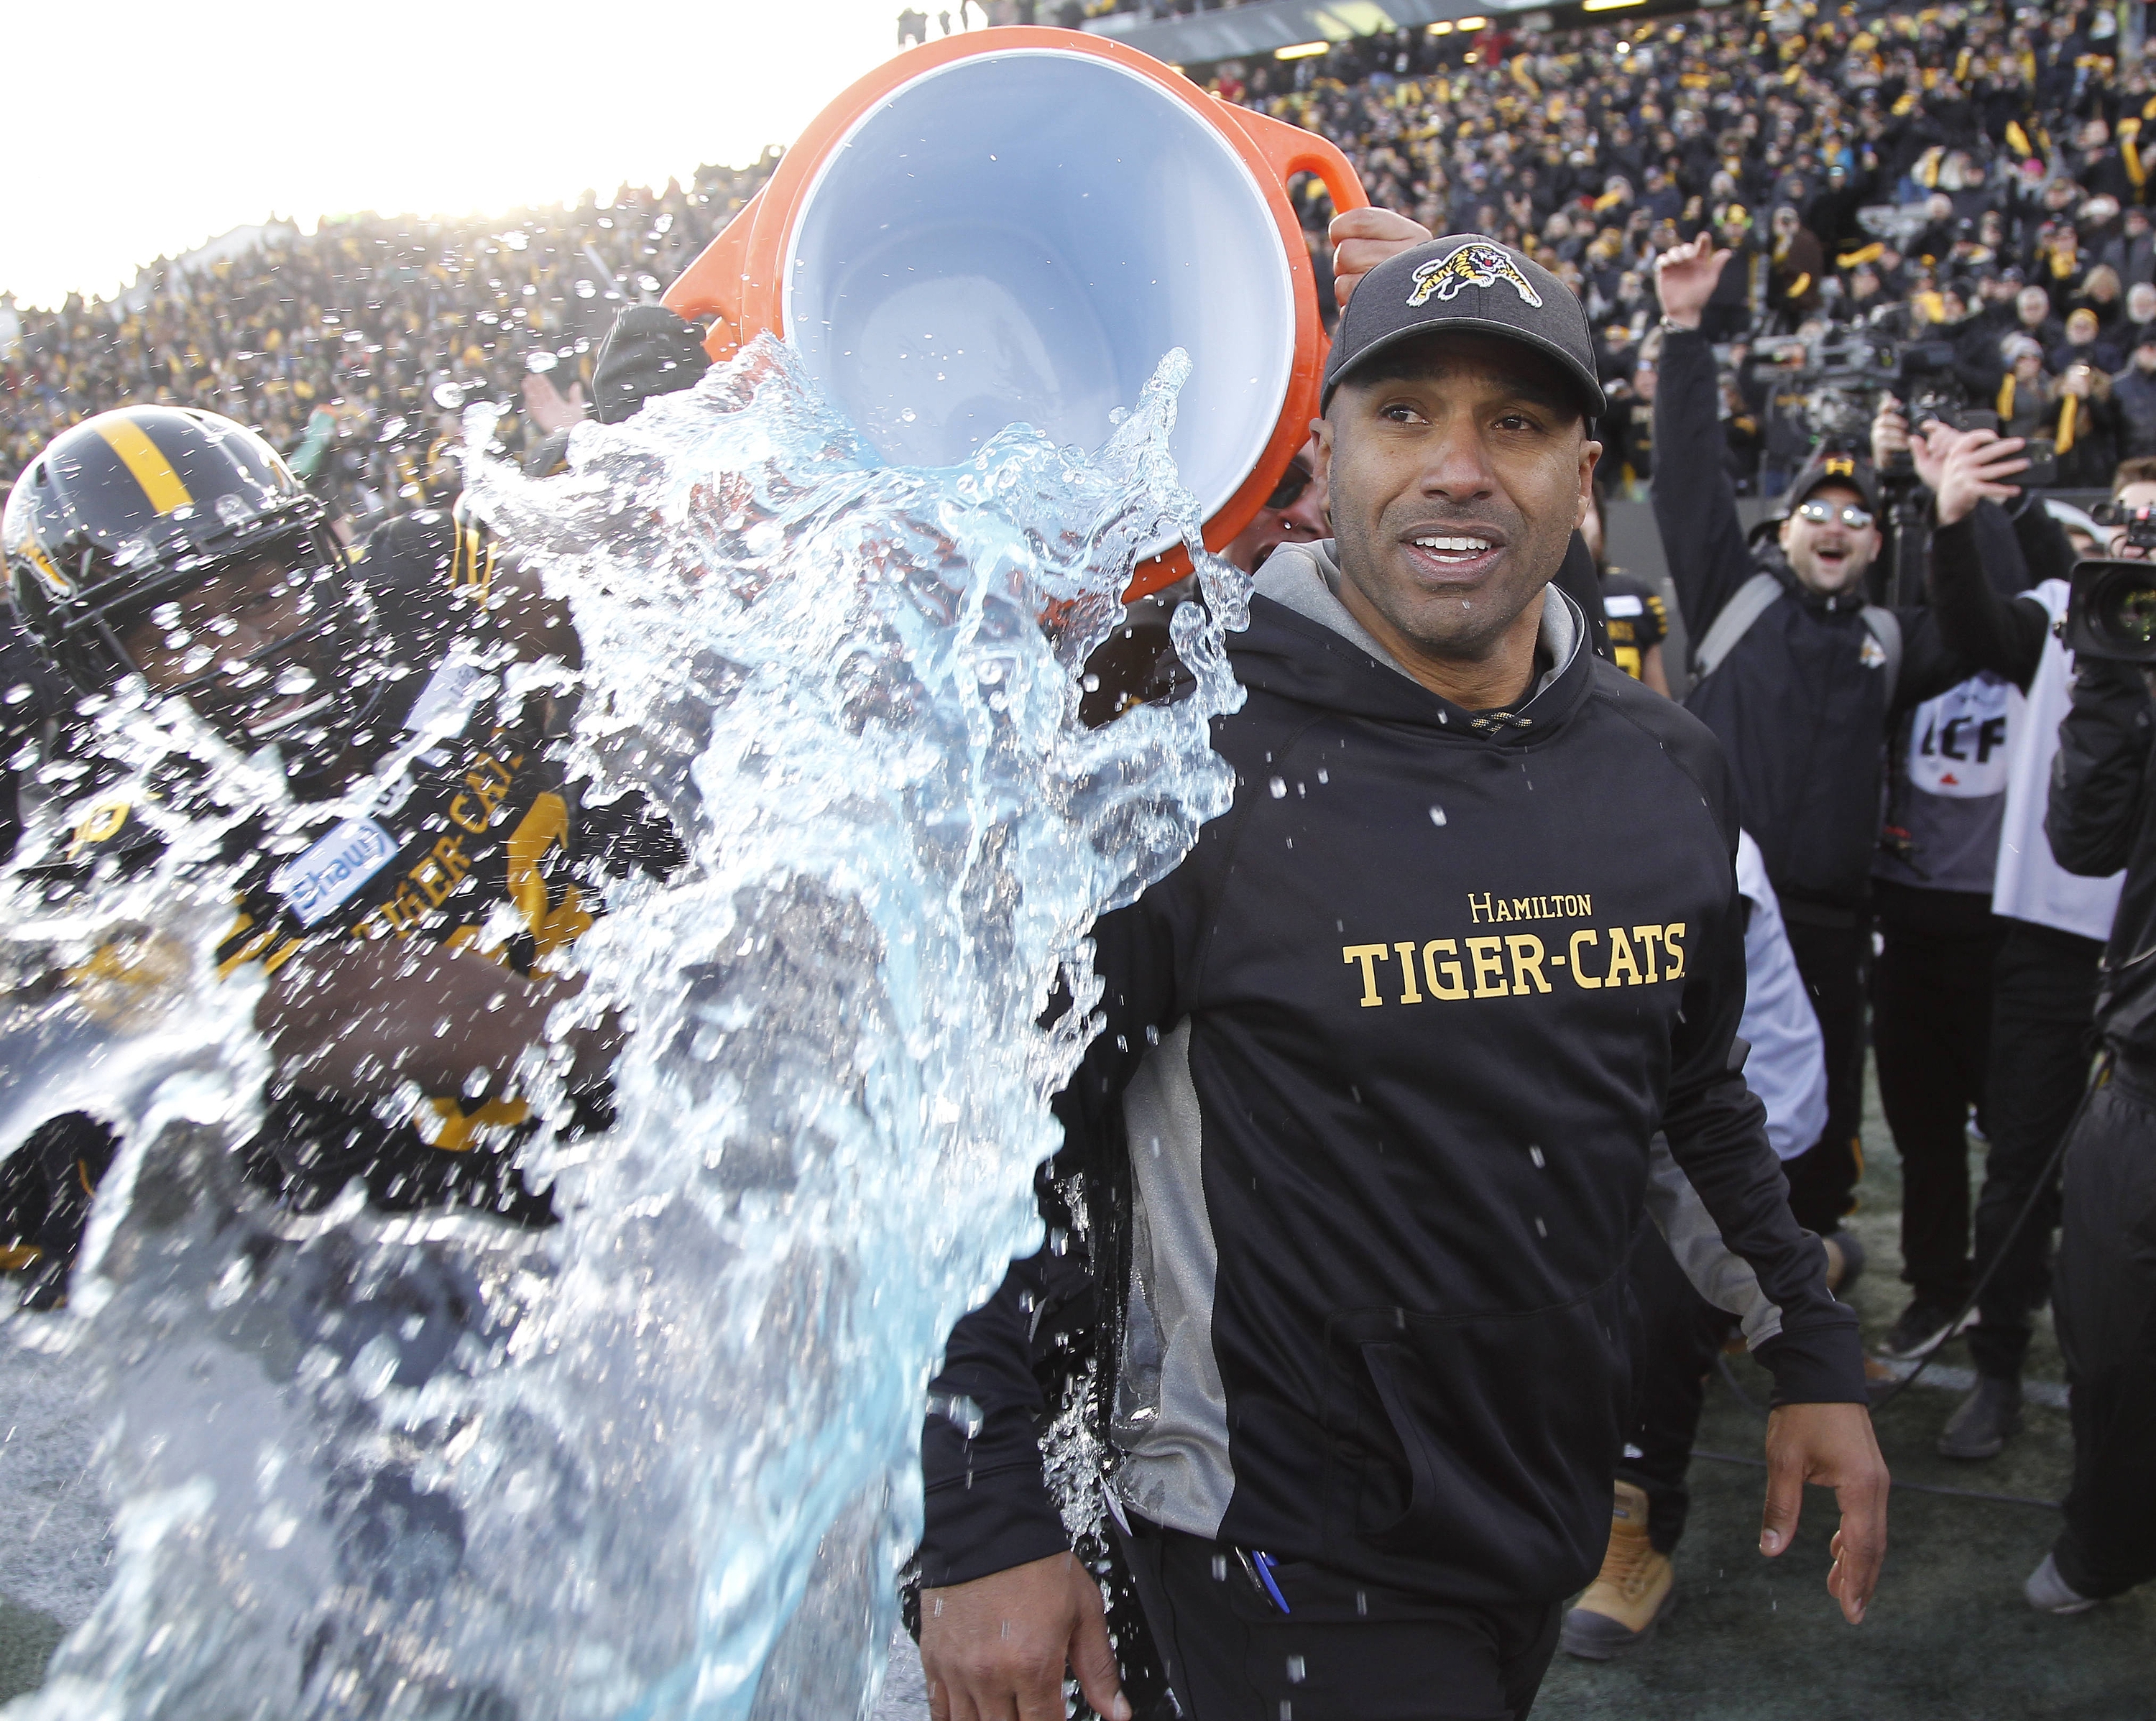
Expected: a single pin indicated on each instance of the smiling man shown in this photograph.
(1803, 678)
(1368, 1127)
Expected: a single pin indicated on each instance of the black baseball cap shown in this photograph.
(1832, 466)
(1465, 283)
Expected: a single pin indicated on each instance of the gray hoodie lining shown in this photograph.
(1305, 578)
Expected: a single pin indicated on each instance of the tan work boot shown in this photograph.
(1621, 1608)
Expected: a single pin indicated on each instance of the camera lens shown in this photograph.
(2129, 614)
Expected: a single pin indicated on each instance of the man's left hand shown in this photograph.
(551, 410)
(1966, 467)
(1363, 239)
(1833, 1445)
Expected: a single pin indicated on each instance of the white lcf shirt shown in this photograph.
(2028, 885)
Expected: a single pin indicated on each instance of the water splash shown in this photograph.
(661, 1460)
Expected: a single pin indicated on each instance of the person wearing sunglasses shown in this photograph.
(1802, 675)
(1293, 513)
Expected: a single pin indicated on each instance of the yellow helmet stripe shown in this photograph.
(146, 460)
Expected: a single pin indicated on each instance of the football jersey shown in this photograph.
(479, 842)
(472, 844)
(1637, 620)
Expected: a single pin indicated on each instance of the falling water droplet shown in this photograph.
(1279, 789)
(1437, 816)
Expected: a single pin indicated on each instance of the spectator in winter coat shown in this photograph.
(2133, 253)
(2084, 345)
(1798, 265)
(2025, 397)
(1861, 297)
(1831, 215)
(2086, 422)
(2135, 388)
(1802, 682)
(2032, 312)
(2102, 295)
(2140, 315)
(1729, 313)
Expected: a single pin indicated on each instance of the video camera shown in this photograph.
(2111, 611)
(1841, 375)
(2111, 605)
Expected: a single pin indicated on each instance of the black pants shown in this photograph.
(1345, 1652)
(1832, 958)
(1678, 1335)
(1931, 1031)
(2042, 1020)
(2105, 1307)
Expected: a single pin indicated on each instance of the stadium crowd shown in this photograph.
(1963, 172)
(1738, 198)
(351, 349)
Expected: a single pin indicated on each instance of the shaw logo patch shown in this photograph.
(1475, 265)
(318, 883)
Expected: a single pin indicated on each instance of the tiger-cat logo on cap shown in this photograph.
(1476, 265)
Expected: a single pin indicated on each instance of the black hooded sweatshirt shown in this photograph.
(2103, 816)
(1380, 1064)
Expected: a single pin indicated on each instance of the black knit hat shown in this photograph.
(1466, 282)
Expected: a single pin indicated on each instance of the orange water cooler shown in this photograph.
(1016, 224)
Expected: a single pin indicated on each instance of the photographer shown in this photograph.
(2101, 817)
(1938, 941)
(1800, 678)
(2044, 981)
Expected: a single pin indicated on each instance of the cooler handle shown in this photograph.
(712, 285)
(1289, 149)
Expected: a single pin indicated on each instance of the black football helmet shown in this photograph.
(134, 507)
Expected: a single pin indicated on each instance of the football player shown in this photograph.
(410, 900)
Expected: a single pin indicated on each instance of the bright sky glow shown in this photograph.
(137, 129)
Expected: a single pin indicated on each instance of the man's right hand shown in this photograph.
(1685, 277)
(1363, 239)
(1889, 432)
(995, 1649)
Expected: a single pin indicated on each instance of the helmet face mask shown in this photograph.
(175, 545)
(268, 646)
